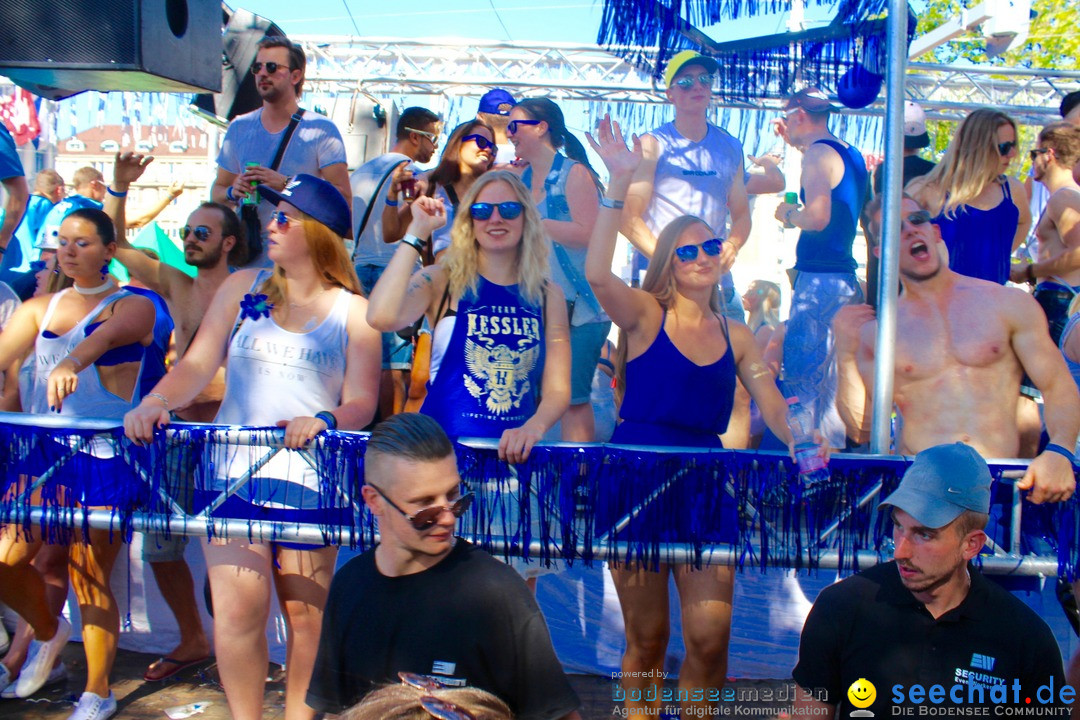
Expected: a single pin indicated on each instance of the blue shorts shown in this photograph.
(396, 350)
(586, 342)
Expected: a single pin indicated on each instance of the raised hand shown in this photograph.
(428, 215)
(611, 147)
(129, 167)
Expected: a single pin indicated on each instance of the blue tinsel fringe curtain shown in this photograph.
(582, 504)
(647, 33)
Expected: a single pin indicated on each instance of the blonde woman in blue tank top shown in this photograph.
(675, 368)
(88, 347)
(300, 354)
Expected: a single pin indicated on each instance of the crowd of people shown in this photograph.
(476, 300)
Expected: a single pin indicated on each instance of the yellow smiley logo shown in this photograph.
(862, 693)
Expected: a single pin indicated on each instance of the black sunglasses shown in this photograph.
(427, 517)
(919, 217)
(1037, 152)
(271, 67)
(513, 125)
(481, 142)
(689, 253)
(1006, 147)
(201, 232)
(507, 210)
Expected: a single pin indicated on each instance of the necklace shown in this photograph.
(300, 306)
(94, 290)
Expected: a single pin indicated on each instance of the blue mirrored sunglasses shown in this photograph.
(689, 253)
(481, 142)
(201, 232)
(507, 210)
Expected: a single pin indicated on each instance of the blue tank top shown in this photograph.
(829, 250)
(980, 241)
(671, 401)
(490, 373)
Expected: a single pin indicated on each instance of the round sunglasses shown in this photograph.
(201, 232)
(689, 253)
(507, 210)
(481, 142)
(427, 517)
(513, 125)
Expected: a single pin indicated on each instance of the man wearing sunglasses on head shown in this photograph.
(962, 345)
(426, 602)
(834, 185)
(254, 139)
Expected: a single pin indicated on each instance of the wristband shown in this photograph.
(158, 396)
(607, 202)
(114, 193)
(1061, 450)
(415, 243)
(229, 194)
(391, 203)
(327, 417)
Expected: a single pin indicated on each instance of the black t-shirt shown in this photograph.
(870, 626)
(470, 620)
(914, 166)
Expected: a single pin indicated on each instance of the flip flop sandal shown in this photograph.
(178, 666)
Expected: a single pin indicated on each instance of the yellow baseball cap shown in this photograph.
(688, 57)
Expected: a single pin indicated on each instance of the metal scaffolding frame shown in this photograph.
(587, 73)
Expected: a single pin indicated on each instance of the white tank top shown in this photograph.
(273, 374)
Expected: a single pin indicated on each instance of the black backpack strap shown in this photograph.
(371, 205)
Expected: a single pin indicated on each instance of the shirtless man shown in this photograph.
(962, 345)
(1058, 228)
(213, 240)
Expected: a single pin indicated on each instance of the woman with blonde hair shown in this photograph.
(299, 354)
(419, 698)
(500, 357)
(762, 301)
(676, 366)
(983, 214)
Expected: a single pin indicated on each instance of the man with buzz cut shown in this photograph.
(426, 602)
(927, 630)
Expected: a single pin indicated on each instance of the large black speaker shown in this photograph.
(60, 47)
(243, 33)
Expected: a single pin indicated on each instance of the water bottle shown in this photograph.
(813, 470)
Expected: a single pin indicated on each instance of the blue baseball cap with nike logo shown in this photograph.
(942, 482)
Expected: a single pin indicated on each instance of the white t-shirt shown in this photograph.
(370, 248)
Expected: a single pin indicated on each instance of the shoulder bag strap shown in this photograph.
(284, 144)
(371, 205)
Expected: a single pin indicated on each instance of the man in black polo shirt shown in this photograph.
(425, 602)
(927, 631)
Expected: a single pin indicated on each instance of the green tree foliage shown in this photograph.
(1053, 41)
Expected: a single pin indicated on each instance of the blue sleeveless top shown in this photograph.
(489, 377)
(980, 241)
(671, 401)
(829, 250)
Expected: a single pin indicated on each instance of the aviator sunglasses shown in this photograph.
(427, 517)
(435, 707)
(689, 253)
(687, 81)
(201, 232)
(481, 142)
(507, 210)
(271, 67)
(513, 125)
(1006, 147)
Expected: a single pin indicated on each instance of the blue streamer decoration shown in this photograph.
(580, 504)
(647, 33)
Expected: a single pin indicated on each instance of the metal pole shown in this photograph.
(885, 355)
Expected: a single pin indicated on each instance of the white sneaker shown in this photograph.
(58, 674)
(94, 707)
(6, 683)
(40, 659)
